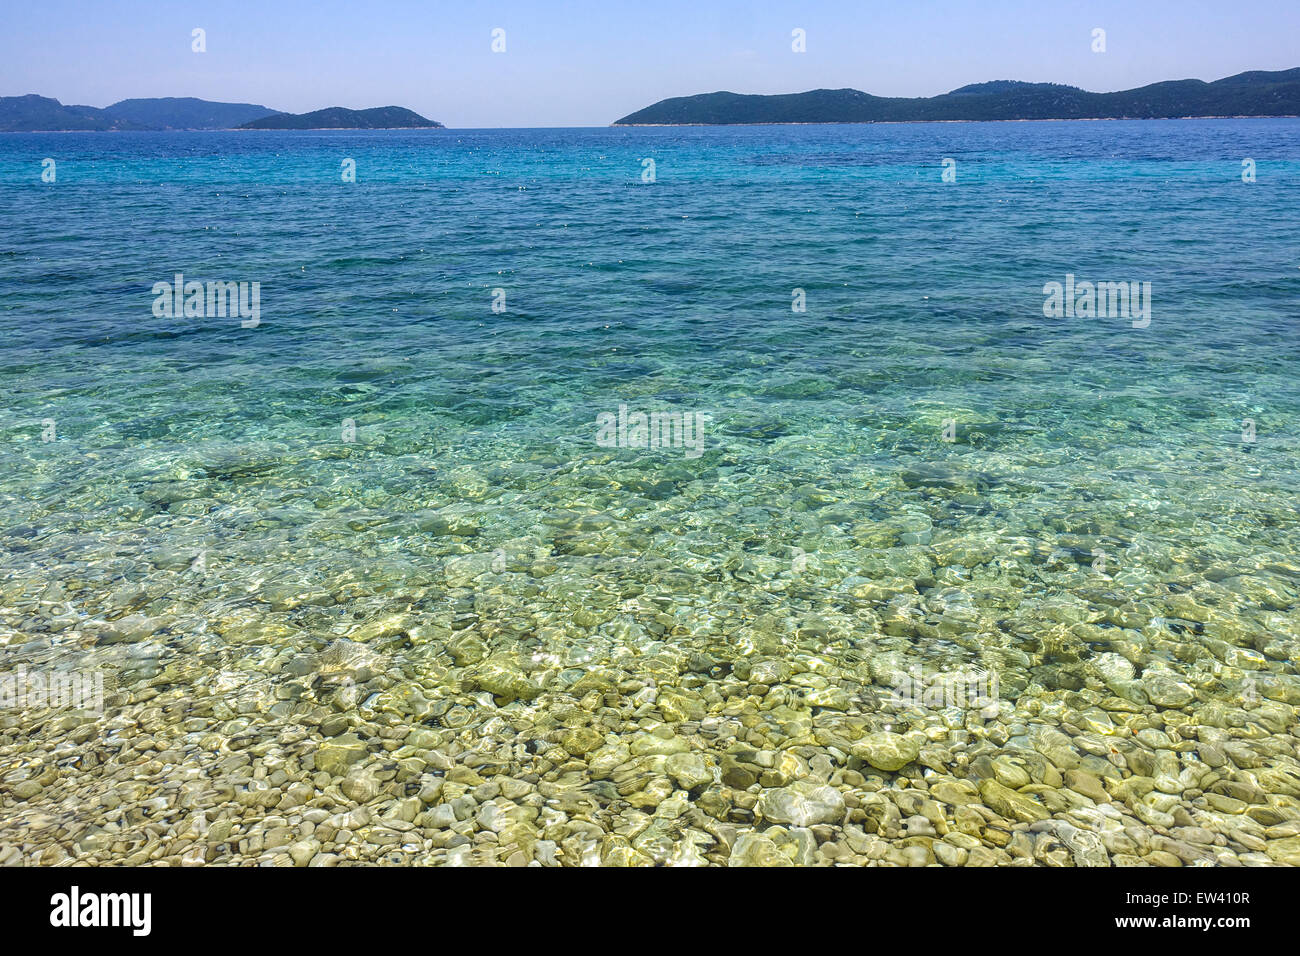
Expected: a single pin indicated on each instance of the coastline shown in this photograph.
(1056, 119)
(384, 129)
(237, 129)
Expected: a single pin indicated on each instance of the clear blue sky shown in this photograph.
(588, 62)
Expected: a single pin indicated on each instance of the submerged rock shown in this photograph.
(336, 755)
(803, 803)
(1010, 803)
(886, 750)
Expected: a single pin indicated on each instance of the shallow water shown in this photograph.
(921, 473)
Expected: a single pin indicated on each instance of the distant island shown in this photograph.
(336, 117)
(1257, 93)
(33, 114)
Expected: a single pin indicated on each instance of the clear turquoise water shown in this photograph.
(476, 430)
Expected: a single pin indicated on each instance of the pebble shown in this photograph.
(659, 734)
(1010, 803)
(803, 804)
(886, 750)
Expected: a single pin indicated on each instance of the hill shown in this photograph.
(337, 117)
(1257, 93)
(33, 113)
(186, 112)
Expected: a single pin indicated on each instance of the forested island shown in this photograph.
(32, 113)
(1257, 93)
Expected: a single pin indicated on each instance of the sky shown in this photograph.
(589, 62)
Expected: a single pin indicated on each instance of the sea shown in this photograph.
(548, 447)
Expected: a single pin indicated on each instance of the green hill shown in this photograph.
(1256, 93)
(33, 113)
(186, 112)
(337, 117)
